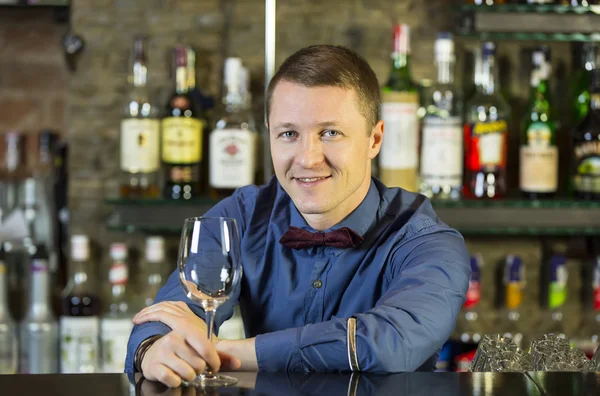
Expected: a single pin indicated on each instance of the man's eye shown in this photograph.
(331, 133)
(288, 134)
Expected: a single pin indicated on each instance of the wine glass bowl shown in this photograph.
(209, 263)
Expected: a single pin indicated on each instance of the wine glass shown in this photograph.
(210, 269)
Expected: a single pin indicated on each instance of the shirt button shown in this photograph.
(317, 284)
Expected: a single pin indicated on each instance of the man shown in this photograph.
(380, 293)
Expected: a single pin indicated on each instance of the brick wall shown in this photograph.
(33, 76)
(217, 29)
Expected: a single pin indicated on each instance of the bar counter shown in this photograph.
(266, 384)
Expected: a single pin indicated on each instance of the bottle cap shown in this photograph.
(488, 48)
(80, 248)
(155, 249)
(476, 264)
(558, 271)
(402, 39)
(118, 251)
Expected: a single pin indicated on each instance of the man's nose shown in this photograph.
(310, 153)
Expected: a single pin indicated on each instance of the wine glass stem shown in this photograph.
(210, 321)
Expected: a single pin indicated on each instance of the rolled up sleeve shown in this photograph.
(407, 326)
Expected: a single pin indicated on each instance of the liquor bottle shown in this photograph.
(584, 63)
(153, 265)
(116, 321)
(539, 153)
(182, 137)
(588, 338)
(586, 146)
(469, 326)
(486, 134)
(79, 323)
(140, 134)
(552, 321)
(39, 329)
(8, 330)
(233, 141)
(514, 281)
(400, 102)
(442, 140)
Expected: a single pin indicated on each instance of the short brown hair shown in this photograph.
(332, 66)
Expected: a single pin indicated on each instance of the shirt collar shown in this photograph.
(360, 220)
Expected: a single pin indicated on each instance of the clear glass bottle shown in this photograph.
(514, 282)
(233, 142)
(39, 329)
(486, 134)
(469, 326)
(154, 263)
(442, 136)
(538, 152)
(8, 329)
(553, 318)
(80, 320)
(116, 323)
(588, 339)
(399, 156)
(140, 134)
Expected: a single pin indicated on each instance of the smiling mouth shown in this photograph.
(311, 179)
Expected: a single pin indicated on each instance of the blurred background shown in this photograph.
(119, 118)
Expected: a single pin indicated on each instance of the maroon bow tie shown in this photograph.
(297, 238)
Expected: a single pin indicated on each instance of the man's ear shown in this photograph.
(376, 139)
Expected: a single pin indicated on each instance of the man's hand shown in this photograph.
(185, 351)
(175, 314)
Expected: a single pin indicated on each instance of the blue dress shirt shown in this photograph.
(404, 284)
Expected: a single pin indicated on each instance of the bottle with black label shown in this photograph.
(586, 147)
(182, 136)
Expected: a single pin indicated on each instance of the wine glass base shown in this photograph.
(210, 381)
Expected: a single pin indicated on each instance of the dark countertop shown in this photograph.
(265, 384)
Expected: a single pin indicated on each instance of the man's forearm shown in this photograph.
(243, 350)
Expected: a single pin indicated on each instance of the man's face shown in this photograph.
(320, 147)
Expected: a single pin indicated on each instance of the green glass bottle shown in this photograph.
(538, 176)
(583, 66)
(399, 157)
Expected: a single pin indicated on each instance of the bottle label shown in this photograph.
(539, 160)
(486, 146)
(558, 289)
(115, 335)
(401, 139)
(140, 141)
(232, 158)
(118, 273)
(514, 295)
(79, 344)
(473, 294)
(442, 152)
(181, 140)
(587, 172)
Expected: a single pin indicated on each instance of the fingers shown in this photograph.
(165, 375)
(206, 349)
(188, 354)
(179, 366)
(229, 362)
